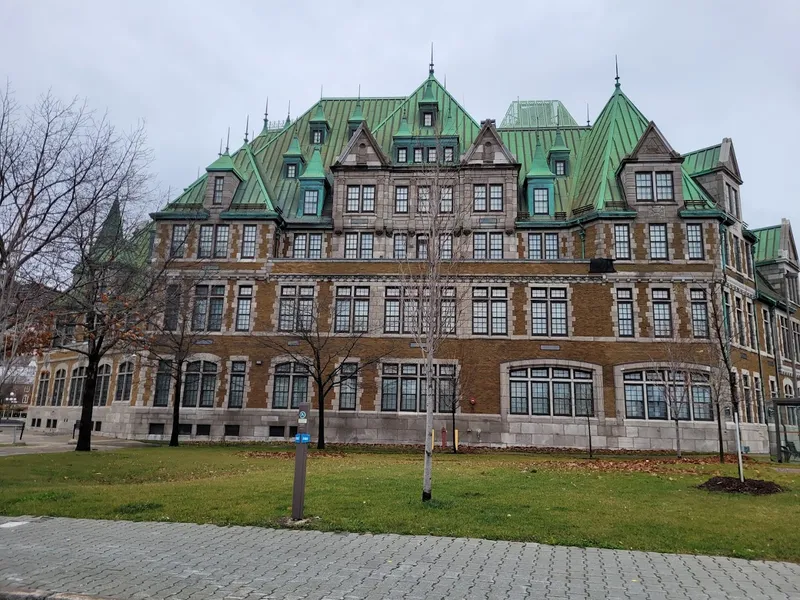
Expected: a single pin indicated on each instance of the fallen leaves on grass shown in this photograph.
(648, 465)
(290, 455)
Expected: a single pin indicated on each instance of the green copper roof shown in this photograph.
(224, 162)
(294, 148)
(319, 114)
(358, 114)
(537, 113)
(449, 128)
(315, 168)
(404, 130)
(429, 97)
(769, 243)
(701, 161)
(539, 166)
(558, 145)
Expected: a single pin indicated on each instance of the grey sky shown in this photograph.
(702, 70)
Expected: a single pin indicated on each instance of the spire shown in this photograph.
(319, 115)
(616, 71)
(111, 229)
(588, 124)
(315, 168)
(294, 147)
(558, 143)
(405, 130)
(228, 142)
(288, 115)
(358, 114)
(246, 128)
(220, 147)
(430, 66)
(266, 115)
(428, 96)
(539, 167)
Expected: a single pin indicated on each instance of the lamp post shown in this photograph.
(9, 400)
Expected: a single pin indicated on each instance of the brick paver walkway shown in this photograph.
(137, 561)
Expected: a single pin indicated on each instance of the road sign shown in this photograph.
(302, 418)
(302, 438)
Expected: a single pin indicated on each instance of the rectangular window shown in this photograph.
(479, 198)
(751, 322)
(541, 201)
(178, 245)
(219, 185)
(423, 199)
(351, 245)
(243, 306)
(535, 246)
(299, 246)
(427, 119)
(348, 386)
(431, 155)
(352, 310)
(221, 242)
(236, 393)
(549, 312)
(694, 237)
(448, 154)
(496, 245)
(391, 310)
(662, 313)
(622, 242)
(206, 245)
(401, 199)
(664, 189)
(740, 328)
(291, 171)
(163, 382)
(315, 245)
(561, 167)
(551, 246)
(208, 305)
(699, 313)
(402, 155)
(417, 155)
(625, 312)
(310, 202)
(248, 241)
(446, 203)
(368, 198)
(353, 198)
(658, 242)
(422, 247)
(296, 308)
(768, 338)
(446, 246)
(479, 246)
(366, 246)
(496, 197)
(486, 303)
(400, 244)
(644, 186)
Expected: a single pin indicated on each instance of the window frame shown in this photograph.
(219, 188)
(695, 245)
(654, 243)
(554, 300)
(626, 245)
(248, 231)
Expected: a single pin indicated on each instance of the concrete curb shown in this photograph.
(6, 594)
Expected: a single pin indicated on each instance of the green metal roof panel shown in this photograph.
(537, 113)
(315, 169)
(769, 243)
(701, 161)
(539, 166)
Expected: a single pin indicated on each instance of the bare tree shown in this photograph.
(674, 377)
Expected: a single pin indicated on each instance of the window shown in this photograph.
(403, 387)
(124, 382)
(699, 313)
(400, 245)
(358, 245)
(296, 308)
(423, 199)
(662, 313)
(316, 136)
(543, 246)
(479, 246)
(368, 198)
(541, 201)
(496, 197)
(760, 414)
(561, 167)
(422, 247)
(625, 312)
(694, 237)
(740, 329)
(76, 386)
(163, 382)
(401, 199)
(555, 391)
(307, 245)
(479, 198)
(783, 336)
(229, 430)
(178, 244)
(446, 246)
(155, 429)
(353, 198)
(449, 153)
(486, 302)
(213, 241)
(658, 242)
(657, 394)
(248, 241)
(291, 171)
(446, 202)
(549, 311)
(751, 323)
(391, 310)
(352, 310)
(44, 388)
(417, 155)
(243, 307)
(348, 386)
(496, 245)
(200, 382)
(401, 311)
(219, 184)
(402, 155)
(236, 391)
(203, 429)
(427, 119)
(622, 242)
(644, 186)
(208, 304)
(737, 253)
(291, 385)
(101, 386)
(664, 186)
(768, 338)
(432, 155)
(59, 383)
(310, 202)
(747, 399)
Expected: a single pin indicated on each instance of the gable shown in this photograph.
(727, 158)
(362, 150)
(488, 148)
(653, 146)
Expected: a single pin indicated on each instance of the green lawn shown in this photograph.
(511, 496)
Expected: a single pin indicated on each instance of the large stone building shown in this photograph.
(325, 210)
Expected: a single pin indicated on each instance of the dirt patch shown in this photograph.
(290, 455)
(732, 485)
(644, 465)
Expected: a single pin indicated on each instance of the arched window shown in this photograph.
(291, 381)
(788, 392)
(101, 388)
(200, 383)
(59, 383)
(44, 388)
(76, 386)
(659, 394)
(124, 382)
(556, 391)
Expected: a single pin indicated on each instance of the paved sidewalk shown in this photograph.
(138, 561)
(40, 443)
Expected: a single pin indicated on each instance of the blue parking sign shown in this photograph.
(302, 438)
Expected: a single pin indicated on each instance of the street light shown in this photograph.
(10, 399)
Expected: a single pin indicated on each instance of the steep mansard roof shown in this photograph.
(775, 243)
(595, 153)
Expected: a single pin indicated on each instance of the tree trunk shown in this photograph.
(678, 437)
(321, 422)
(720, 434)
(428, 470)
(87, 405)
(176, 406)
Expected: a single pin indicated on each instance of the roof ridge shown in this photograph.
(712, 146)
(270, 204)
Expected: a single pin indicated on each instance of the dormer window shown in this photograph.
(427, 119)
(291, 171)
(662, 182)
(219, 185)
(402, 155)
(310, 201)
(561, 167)
(417, 155)
(431, 155)
(316, 136)
(448, 154)
(541, 201)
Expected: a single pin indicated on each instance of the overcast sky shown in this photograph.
(702, 70)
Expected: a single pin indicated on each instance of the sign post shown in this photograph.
(301, 440)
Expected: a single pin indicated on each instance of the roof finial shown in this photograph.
(616, 71)
(220, 147)
(587, 115)
(228, 142)
(430, 66)
(359, 92)
(320, 91)
(445, 81)
(266, 114)
(246, 128)
(289, 111)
